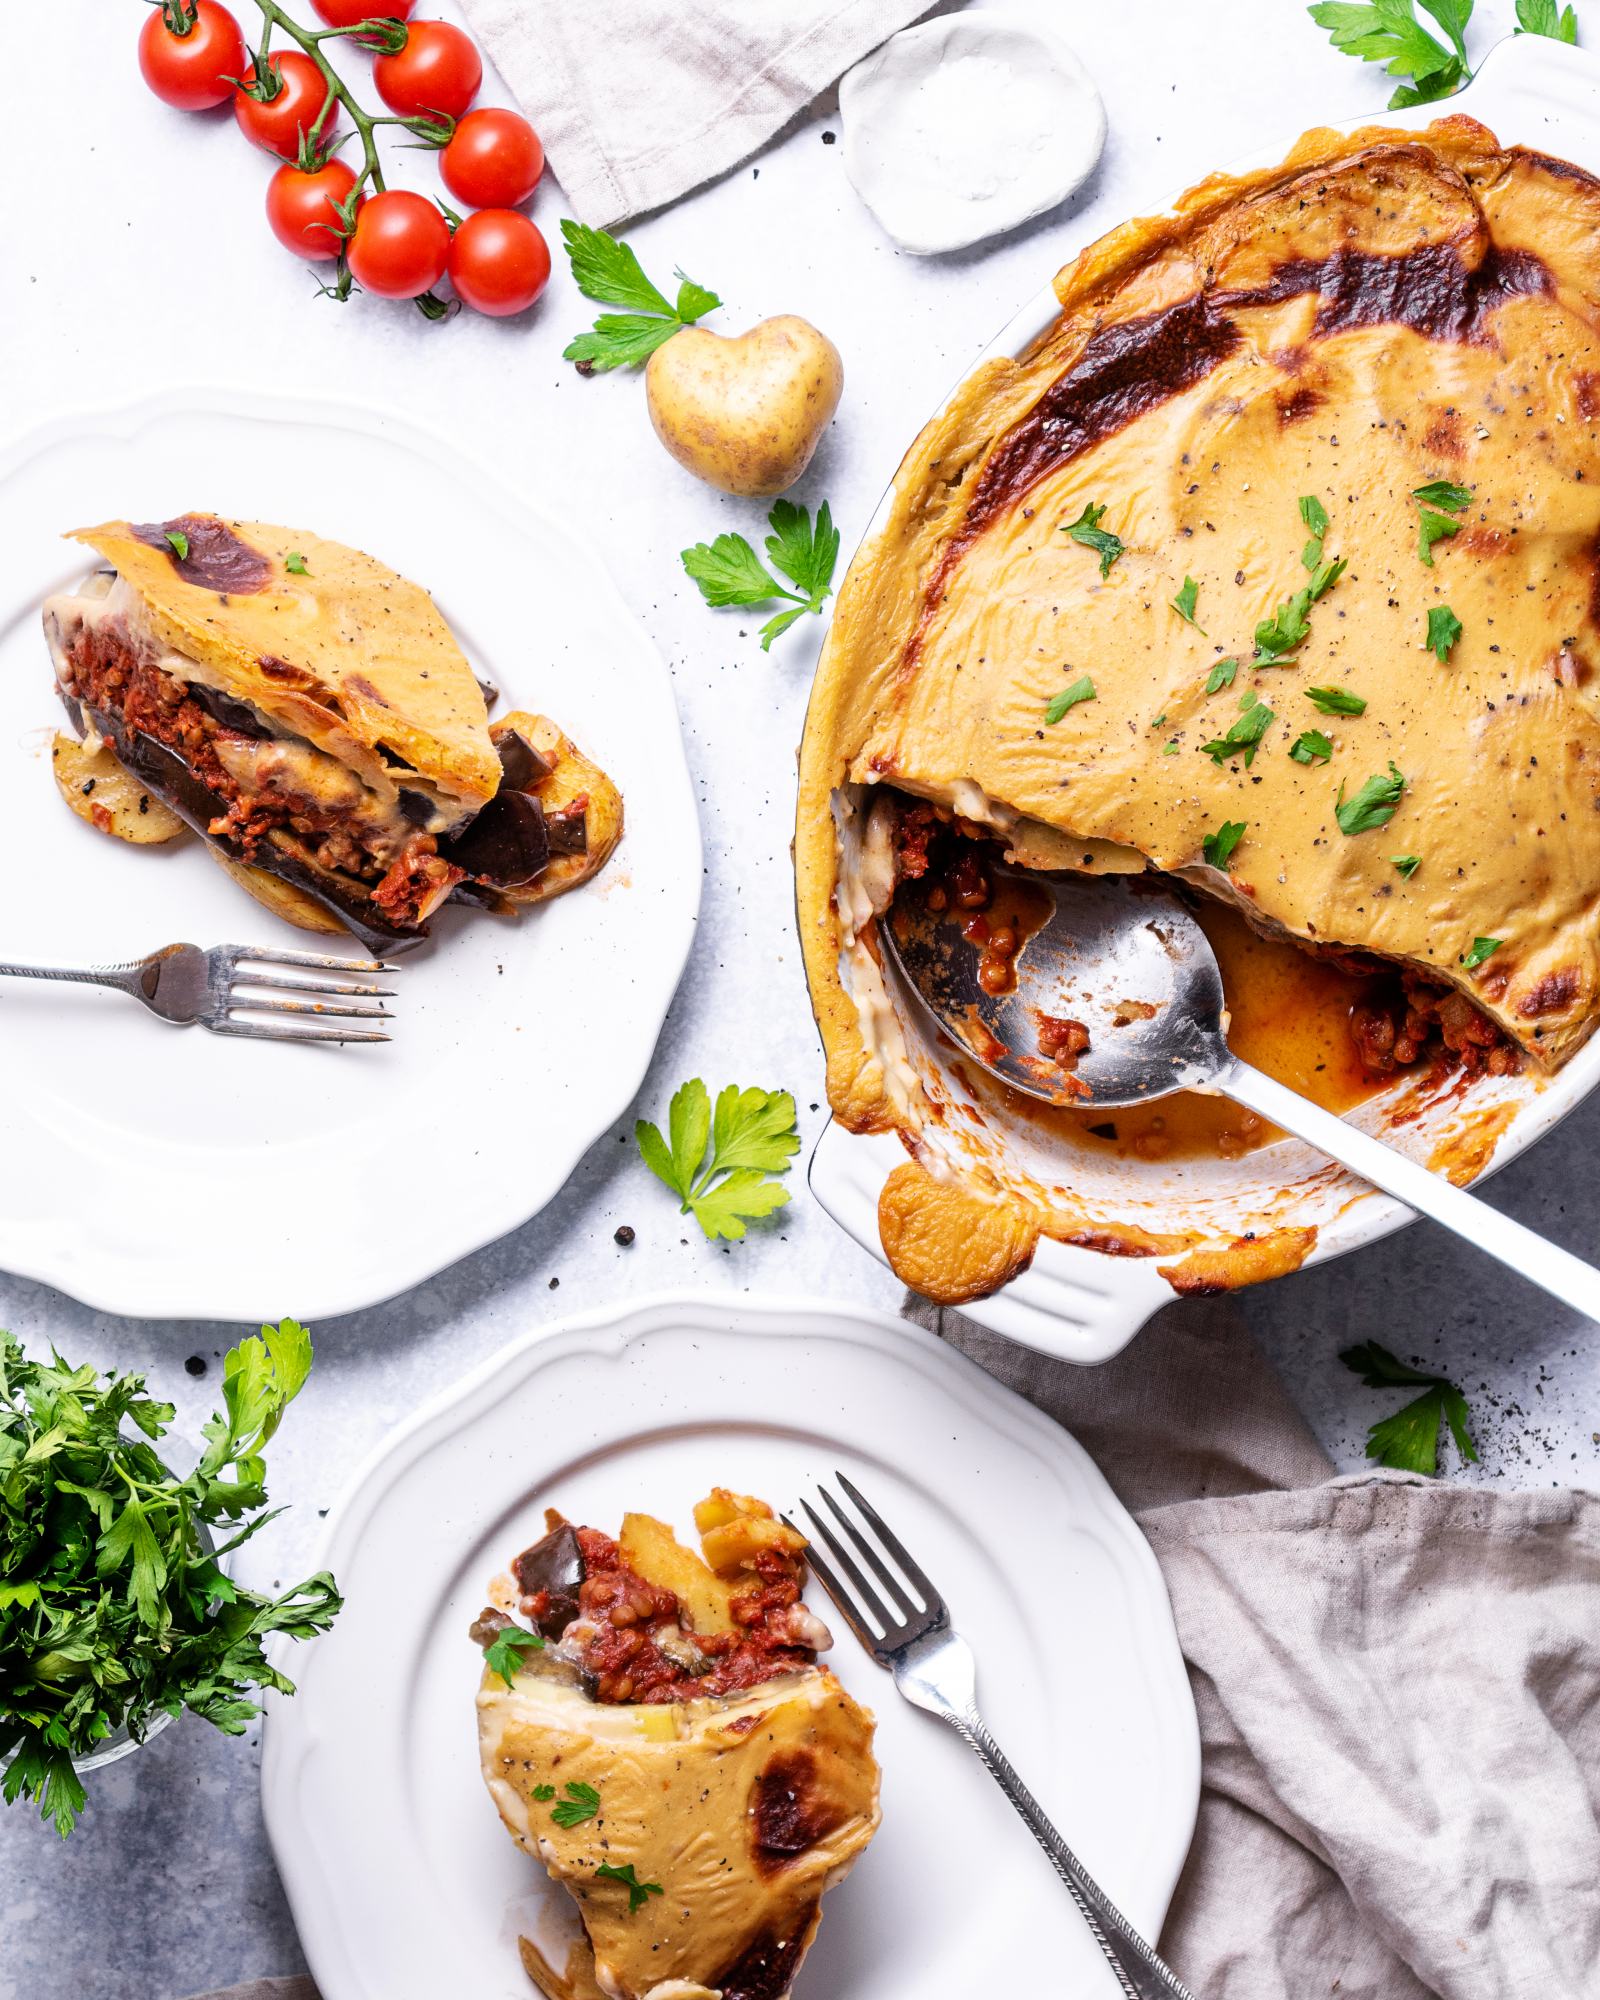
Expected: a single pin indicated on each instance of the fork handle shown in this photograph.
(1140, 1973)
(120, 977)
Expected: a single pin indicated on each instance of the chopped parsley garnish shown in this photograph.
(1373, 805)
(1433, 525)
(581, 1803)
(1409, 1440)
(639, 1893)
(1281, 636)
(1221, 676)
(1184, 604)
(180, 543)
(295, 563)
(752, 1140)
(1482, 948)
(608, 272)
(544, 1793)
(1244, 734)
(729, 571)
(1336, 701)
(1080, 690)
(1311, 747)
(504, 1655)
(1408, 864)
(1444, 629)
(1315, 516)
(1218, 847)
(1087, 530)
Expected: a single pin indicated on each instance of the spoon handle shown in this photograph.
(1569, 1278)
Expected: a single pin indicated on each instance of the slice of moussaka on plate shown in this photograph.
(309, 713)
(1270, 565)
(655, 1729)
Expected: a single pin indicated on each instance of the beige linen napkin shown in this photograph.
(1398, 1685)
(638, 101)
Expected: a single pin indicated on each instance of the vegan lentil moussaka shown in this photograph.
(1271, 565)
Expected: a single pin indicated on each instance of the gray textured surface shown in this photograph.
(168, 1886)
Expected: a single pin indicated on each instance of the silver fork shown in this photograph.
(185, 984)
(933, 1667)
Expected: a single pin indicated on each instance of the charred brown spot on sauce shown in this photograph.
(1549, 994)
(788, 1812)
(359, 684)
(765, 1970)
(1586, 394)
(285, 674)
(1443, 437)
(742, 1725)
(1570, 668)
(215, 557)
(1299, 404)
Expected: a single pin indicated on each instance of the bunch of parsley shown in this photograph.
(1388, 32)
(725, 1167)
(112, 1609)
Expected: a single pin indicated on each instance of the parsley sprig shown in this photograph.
(752, 1140)
(504, 1654)
(639, 1893)
(1081, 689)
(729, 571)
(1373, 805)
(1434, 525)
(1409, 1440)
(1087, 530)
(581, 1803)
(1218, 847)
(1388, 32)
(1482, 948)
(608, 272)
(112, 1608)
(1243, 734)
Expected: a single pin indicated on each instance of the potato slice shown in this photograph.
(720, 1506)
(653, 1551)
(731, 1549)
(282, 898)
(572, 776)
(100, 791)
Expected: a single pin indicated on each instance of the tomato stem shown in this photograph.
(378, 32)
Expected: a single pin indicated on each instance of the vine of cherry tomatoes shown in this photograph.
(293, 104)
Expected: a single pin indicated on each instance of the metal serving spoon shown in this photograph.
(1130, 964)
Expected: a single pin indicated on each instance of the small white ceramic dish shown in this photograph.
(963, 127)
(169, 1173)
(1086, 1306)
(403, 1882)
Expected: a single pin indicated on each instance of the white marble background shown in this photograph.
(136, 257)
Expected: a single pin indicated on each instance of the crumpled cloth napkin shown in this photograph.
(638, 101)
(1398, 1685)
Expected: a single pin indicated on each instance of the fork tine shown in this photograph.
(874, 1520)
(891, 1583)
(312, 958)
(840, 1598)
(262, 1033)
(864, 1590)
(349, 1010)
(244, 978)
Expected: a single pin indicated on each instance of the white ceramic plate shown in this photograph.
(1084, 1306)
(176, 1174)
(404, 1884)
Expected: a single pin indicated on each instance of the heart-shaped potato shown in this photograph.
(744, 413)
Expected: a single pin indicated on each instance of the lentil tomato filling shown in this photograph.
(264, 784)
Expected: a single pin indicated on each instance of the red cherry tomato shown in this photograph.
(301, 209)
(196, 69)
(439, 69)
(348, 13)
(401, 245)
(494, 160)
(278, 123)
(499, 262)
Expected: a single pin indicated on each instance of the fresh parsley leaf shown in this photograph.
(1444, 493)
(1184, 604)
(729, 571)
(1221, 676)
(1281, 636)
(1080, 690)
(295, 563)
(1433, 528)
(1324, 575)
(1373, 805)
(544, 1793)
(581, 1803)
(1244, 734)
(1443, 83)
(1444, 629)
(1545, 17)
(609, 272)
(1407, 864)
(1409, 1440)
(751, 1136)
(1311, 747)
(1315, 516)
(1388, 32)
(639, 1893)
(113, 1609)
(180, 543)
(1218, 847)
(1482, 948)
(504, 1656)
(1336, 701)
(1432, 524)
(1087, 530)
